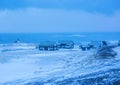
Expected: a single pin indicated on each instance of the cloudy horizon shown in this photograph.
(59, 16)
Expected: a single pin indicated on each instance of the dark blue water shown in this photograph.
(77, 37)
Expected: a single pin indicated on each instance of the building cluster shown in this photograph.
(52, 46)
(66, 44)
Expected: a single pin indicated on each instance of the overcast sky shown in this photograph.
(59, 16)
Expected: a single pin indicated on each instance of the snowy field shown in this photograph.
(25, 65)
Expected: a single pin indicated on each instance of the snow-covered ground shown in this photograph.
(25, 65)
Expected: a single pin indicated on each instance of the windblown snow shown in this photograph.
(25, 65)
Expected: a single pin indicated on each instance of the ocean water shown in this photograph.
(23, 64)
(76, 37)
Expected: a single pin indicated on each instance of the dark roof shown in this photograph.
(47, 43)
(66, 42)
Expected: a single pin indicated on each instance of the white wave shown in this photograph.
(16, 47)
(78, 35)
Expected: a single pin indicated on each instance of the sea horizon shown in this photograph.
(74, 36)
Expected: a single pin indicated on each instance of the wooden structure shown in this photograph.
(98, 44)
(85, 47)
(66, 44)
(92, 45)
(48, 46)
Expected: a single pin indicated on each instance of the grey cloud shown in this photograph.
(100, 6)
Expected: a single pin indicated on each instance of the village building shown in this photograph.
(95, 44)
(48, 46)
(85, 47)
(66, 44)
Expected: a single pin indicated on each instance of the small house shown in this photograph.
(85, 47)
(95, 44)
(66, 44)
(98, 44)
(48, 46)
